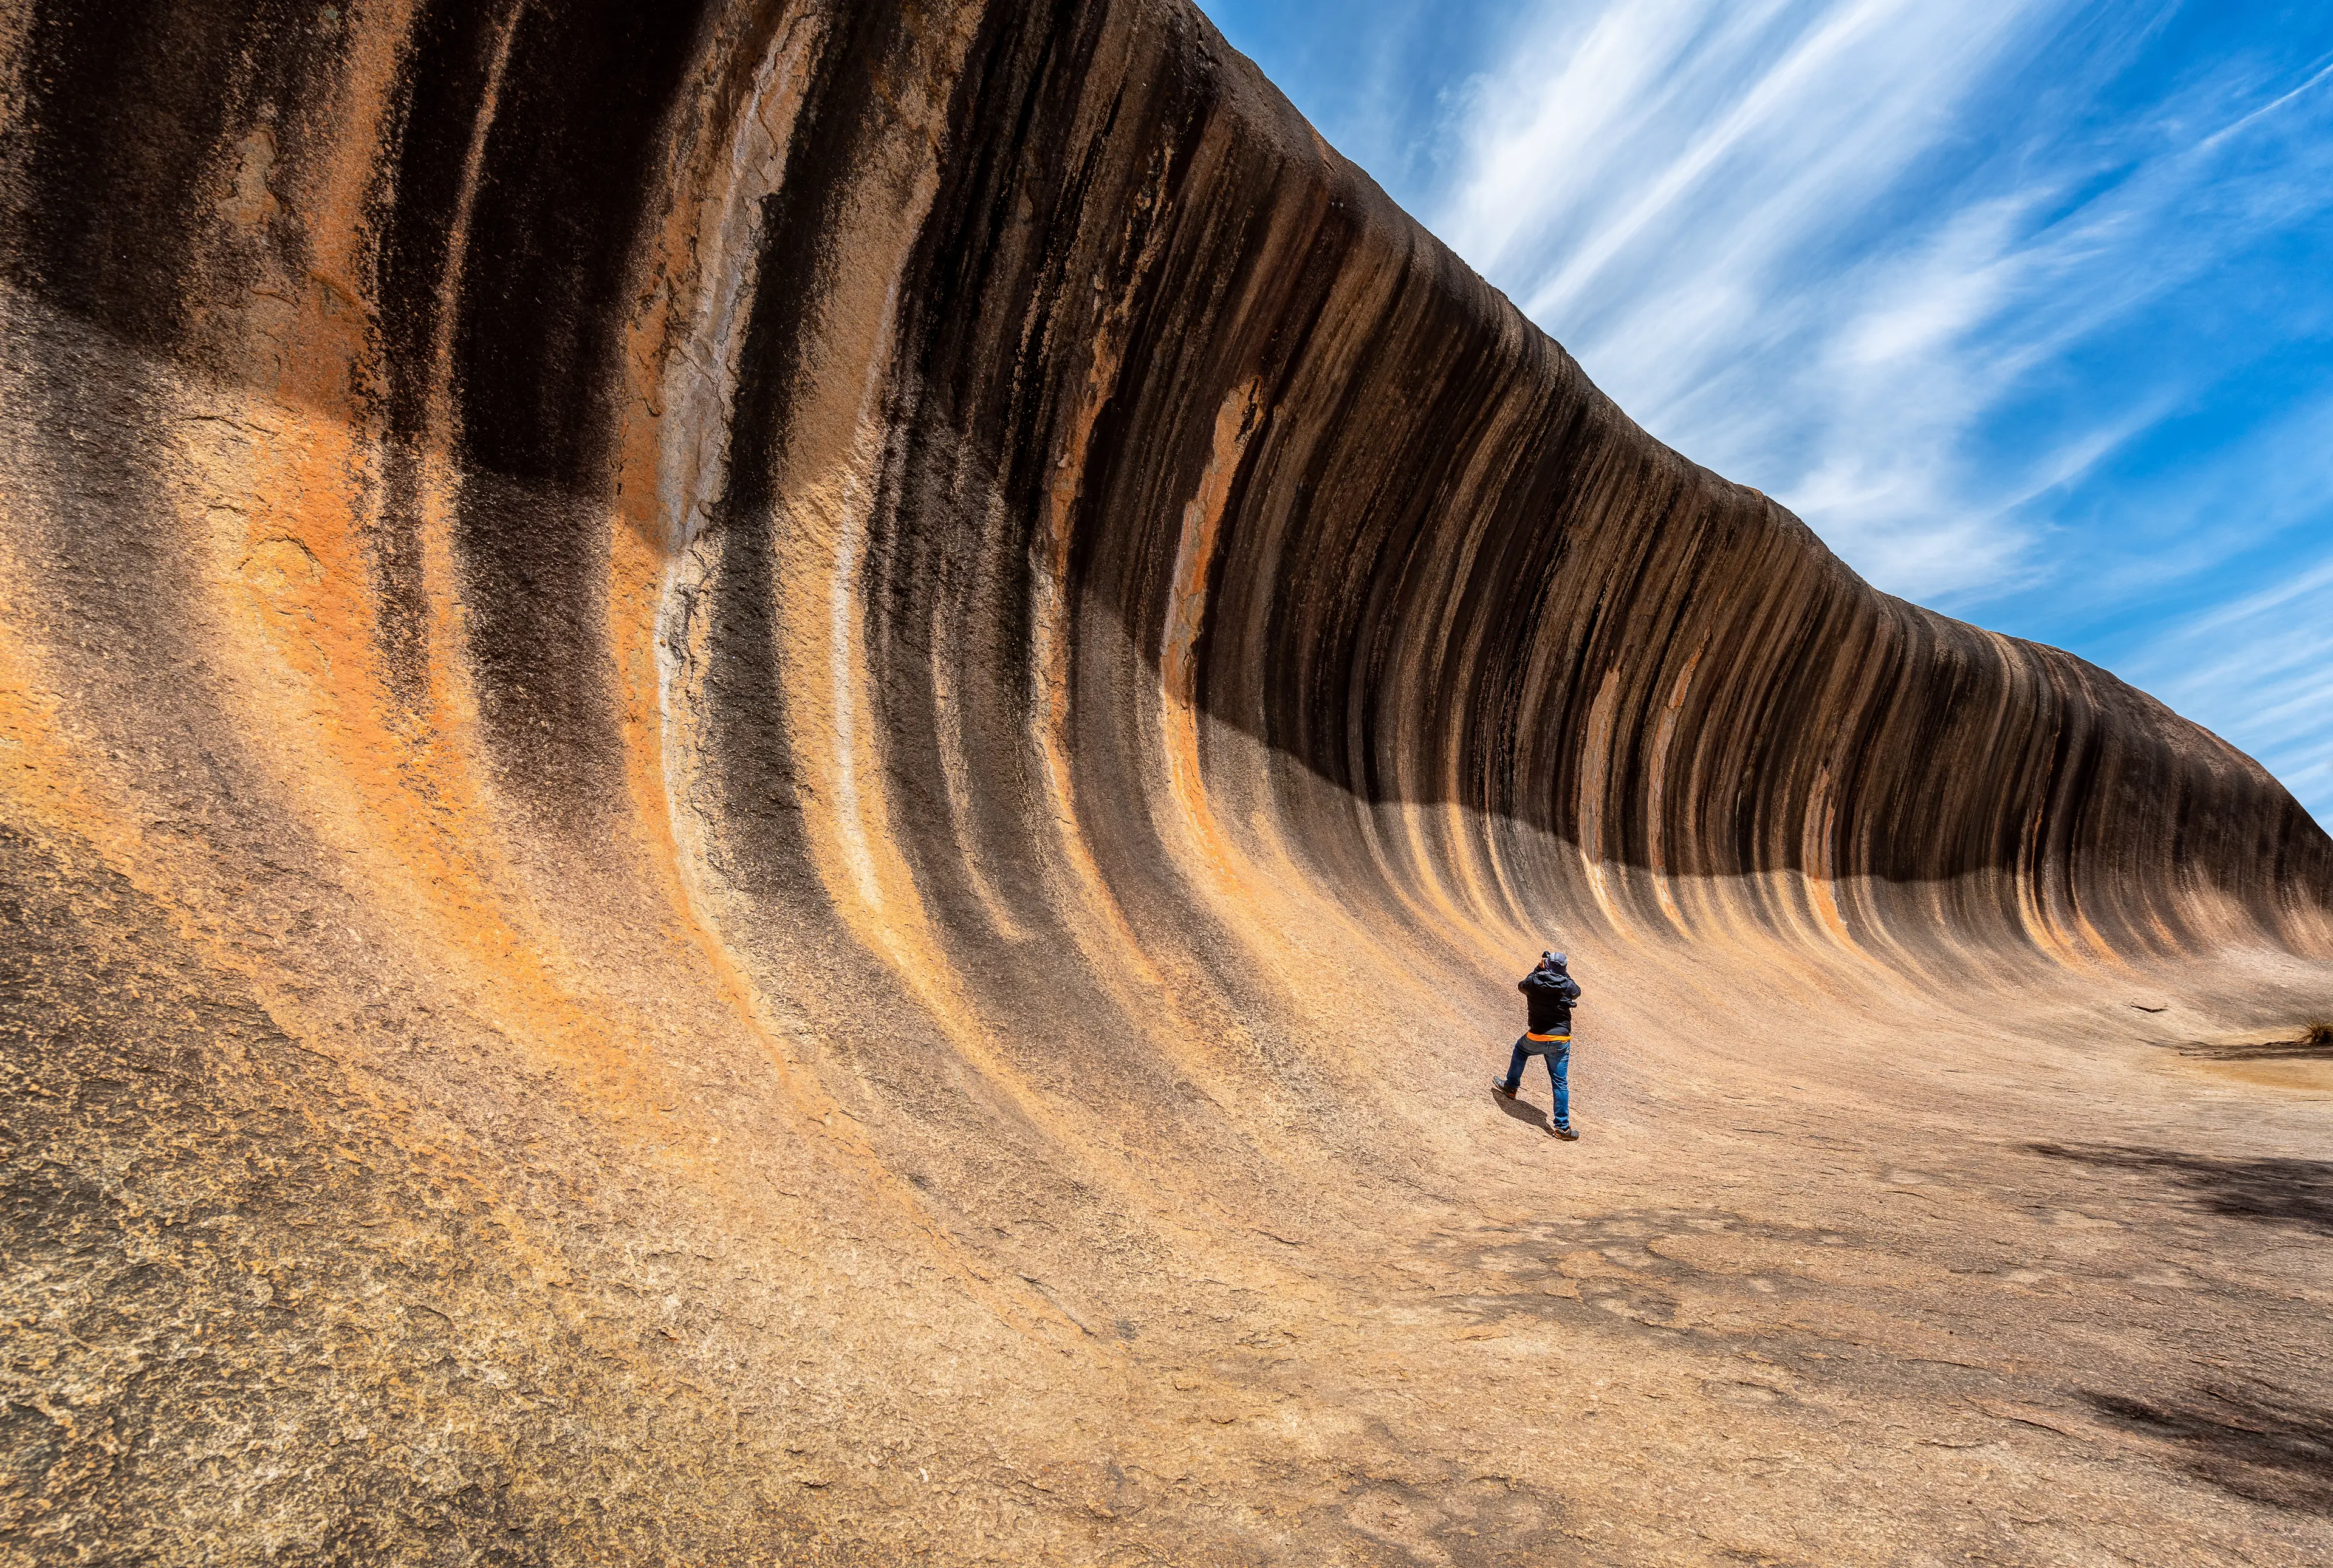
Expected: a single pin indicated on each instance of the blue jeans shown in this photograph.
(1558, 1072)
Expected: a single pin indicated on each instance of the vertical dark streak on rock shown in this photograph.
(562, 206)
(104, 211)
(758, 787)
(416, 209)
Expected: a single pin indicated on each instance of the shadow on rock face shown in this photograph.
(1520, 1108)
(2269, 1446)
(2278, 1191)
(2306, 1049)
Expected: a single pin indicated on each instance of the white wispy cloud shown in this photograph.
(1705, 200)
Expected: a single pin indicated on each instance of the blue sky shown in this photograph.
(2027, 309)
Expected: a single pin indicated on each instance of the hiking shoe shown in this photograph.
(1498, 1087)
(1566, 1133)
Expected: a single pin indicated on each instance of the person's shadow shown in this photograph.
(1519, 1109)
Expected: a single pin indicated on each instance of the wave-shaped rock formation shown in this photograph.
(773, 770)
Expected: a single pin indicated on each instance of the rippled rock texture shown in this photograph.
(773, 774)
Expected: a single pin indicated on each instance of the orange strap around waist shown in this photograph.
(1529, 1035)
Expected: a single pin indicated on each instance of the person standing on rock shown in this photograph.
(1550, 992)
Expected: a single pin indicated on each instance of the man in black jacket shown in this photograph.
(1551, 993)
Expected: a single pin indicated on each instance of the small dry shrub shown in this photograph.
(2317, 1032)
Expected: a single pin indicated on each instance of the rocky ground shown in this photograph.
(1917, 1293)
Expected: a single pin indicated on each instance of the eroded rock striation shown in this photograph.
(710, 709)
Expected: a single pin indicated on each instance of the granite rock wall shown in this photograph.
(867, 608)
